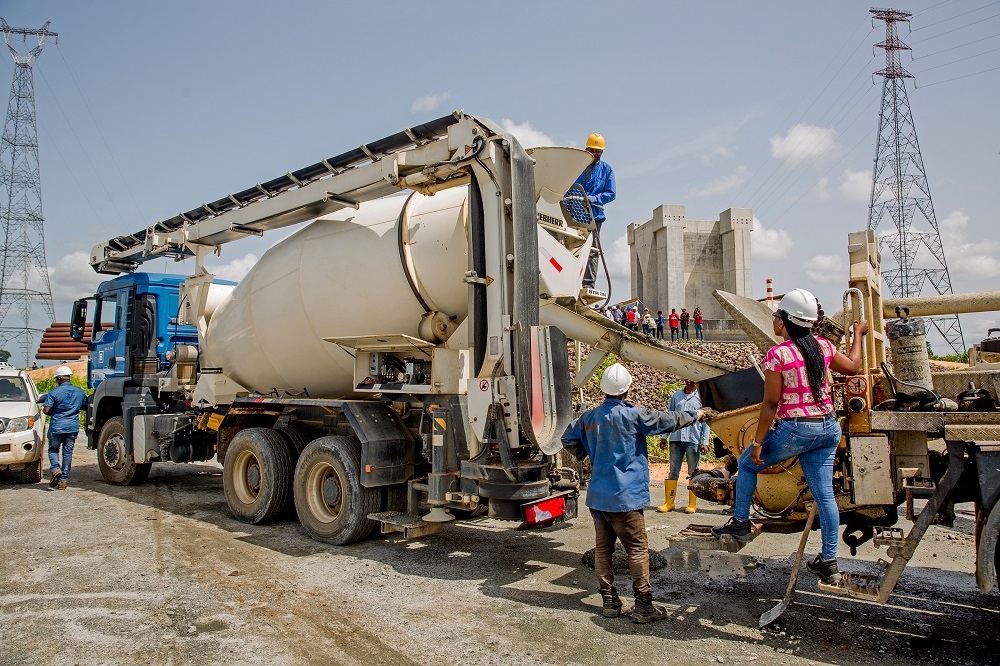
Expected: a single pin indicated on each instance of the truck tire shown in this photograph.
(118, 467)
(298, 440)
(32, 472)
(332, 504)
(257, 476)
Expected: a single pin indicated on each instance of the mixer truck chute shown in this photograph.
(388, 364)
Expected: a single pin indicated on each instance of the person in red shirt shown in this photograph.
(699, 324)
(675, 322)
(631, 318)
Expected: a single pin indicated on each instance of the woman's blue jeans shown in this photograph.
(815, 443)
(678, 451)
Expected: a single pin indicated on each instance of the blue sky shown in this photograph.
(147, 109)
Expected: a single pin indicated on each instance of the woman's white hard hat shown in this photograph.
(616, 379)
(801, 307)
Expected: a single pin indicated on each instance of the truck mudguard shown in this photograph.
(388, 451)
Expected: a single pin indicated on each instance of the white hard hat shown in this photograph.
(801, 307)
(616, 379)
(63, 371)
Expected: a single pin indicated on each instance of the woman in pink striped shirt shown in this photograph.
(796, 393)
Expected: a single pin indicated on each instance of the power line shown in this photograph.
(959, 60)
(952, 48)
(100, 133)
(956, 78)
(952, 18)
(947, 32)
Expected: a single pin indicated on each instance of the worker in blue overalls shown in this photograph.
(598, 181)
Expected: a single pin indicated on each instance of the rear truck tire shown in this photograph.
(332, 504)
(32, 472)
(394, 497)
(298, 440)
(118, 467)
(257, 476)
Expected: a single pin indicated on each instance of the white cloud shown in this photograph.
(723, 184)
(969, 260)
(72, 278)
(619, 259)
(428, 102)
(526, 134)
(822, 188)
(769, 244)
(856, 185)
(803, 141)
(826, 269)
(236, 269)
(718, 152)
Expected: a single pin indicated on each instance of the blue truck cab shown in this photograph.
(134, 326)
(135, 330)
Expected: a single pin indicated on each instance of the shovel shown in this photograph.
(773, 614)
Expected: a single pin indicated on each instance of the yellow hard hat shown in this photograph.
(595, 141)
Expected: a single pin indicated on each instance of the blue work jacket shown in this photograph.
(614, 436)
(599, 184)
(65, 402)
(696, 433)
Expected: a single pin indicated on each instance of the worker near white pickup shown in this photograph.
(796, 392)
(689, 442)
(614, 436)
(63, 405)
(598, 181)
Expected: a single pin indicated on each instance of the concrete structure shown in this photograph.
(678, 263)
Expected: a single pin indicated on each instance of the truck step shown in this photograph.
(857, 585)
(919, 486)
(699, 537)
(888, 536)
(409, 525)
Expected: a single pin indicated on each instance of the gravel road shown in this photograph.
(162, 574)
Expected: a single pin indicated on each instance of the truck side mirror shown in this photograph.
(78, 320)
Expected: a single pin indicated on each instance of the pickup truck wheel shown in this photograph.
(118, 467)
(32, 472)
(332, 504)
(257, 476)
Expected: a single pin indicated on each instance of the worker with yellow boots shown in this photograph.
(689, 442)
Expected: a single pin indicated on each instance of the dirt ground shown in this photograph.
(162, 574)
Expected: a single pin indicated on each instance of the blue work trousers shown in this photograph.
(699, 331)
(64, 441)
(679, 451)
(815, 443)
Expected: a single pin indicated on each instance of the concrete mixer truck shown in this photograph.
(397, 363)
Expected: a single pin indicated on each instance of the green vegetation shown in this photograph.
(4, 355)
(952, 358)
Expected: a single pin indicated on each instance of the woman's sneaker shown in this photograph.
(738, 529)
(825, 569)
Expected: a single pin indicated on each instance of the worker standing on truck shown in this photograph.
(598, 181)
(614, 436)
(796, 391)
(690, 442)
(63, 404)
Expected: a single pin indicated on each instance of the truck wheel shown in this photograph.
(332, 504)
(257, 476)
(298, 440)
(118, 467)
(32, 472)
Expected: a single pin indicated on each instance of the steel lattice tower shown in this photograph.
(900, 189)
(24, 275)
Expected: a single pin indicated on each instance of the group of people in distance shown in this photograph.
(655, 326)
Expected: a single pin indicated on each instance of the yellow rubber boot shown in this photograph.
(669, 492)
(692, 506)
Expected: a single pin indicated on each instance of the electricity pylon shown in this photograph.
(900, 190)
(24, 274)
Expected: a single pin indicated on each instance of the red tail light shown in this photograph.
(544, 511)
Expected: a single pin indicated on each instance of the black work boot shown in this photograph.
(738, 529)
(825, 569)
(613, 605)
(646, 611)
